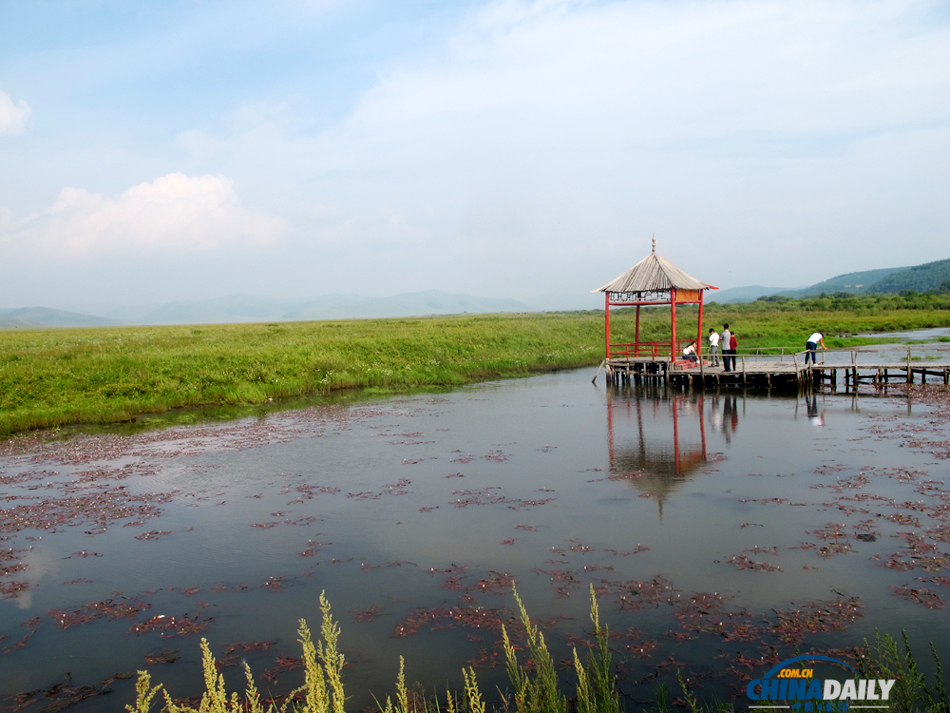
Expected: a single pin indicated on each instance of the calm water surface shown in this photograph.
(719, 531)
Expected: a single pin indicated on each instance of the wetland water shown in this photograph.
(720, 531)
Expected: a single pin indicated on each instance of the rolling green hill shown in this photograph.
(922, 278)
(856, 283)
(929, 277)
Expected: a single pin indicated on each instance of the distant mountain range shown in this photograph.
(250, 308)
(28, 317)
(743, 294)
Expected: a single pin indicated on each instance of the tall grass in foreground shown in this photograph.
(56, 377)
(886, 659)
(535, 683)
(537, 688)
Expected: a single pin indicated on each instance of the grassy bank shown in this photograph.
(787, 323)
(56, 377)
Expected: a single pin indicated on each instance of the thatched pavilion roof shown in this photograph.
(651, 274)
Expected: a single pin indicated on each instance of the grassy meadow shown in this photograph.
(57, 377)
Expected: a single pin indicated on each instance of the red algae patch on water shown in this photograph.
(112, 608)
(171, 625)
(893, 517)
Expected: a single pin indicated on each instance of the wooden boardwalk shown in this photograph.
(879, 374)
(786, 371)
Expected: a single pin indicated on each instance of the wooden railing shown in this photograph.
(651, 350)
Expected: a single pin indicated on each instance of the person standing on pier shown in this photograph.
(726, 340)
(811, 346)
(713, 347)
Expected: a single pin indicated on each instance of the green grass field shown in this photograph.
(58, 377)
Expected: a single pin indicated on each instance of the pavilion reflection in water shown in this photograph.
(656, 437)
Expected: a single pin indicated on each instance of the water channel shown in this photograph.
(720, 531)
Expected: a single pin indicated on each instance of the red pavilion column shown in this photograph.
(699, 336)
(673, 319)
(636, 335)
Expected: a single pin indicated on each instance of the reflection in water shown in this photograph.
(656, 438)
(815, 415)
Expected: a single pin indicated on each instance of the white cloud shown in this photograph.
(13, 117)
(541, 122)
(172, 214)
(535, 72)
(518, 133)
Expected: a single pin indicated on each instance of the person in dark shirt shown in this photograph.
(726, 340)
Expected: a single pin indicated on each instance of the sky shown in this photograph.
(176, 150)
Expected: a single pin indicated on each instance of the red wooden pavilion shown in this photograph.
(652, 281)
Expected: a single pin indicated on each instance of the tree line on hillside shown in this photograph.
(929, 277)
(938, 299)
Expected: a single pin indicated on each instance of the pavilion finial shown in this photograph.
(654, 243)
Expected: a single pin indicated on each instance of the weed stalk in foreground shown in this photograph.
(536, 684)
(535, 681)
(886, 659)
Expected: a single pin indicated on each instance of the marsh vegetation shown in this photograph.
(52, 378)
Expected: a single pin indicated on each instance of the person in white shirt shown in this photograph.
(713, 347)
(689, 354)
(811, 346)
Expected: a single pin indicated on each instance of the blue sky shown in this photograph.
(155, 151)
